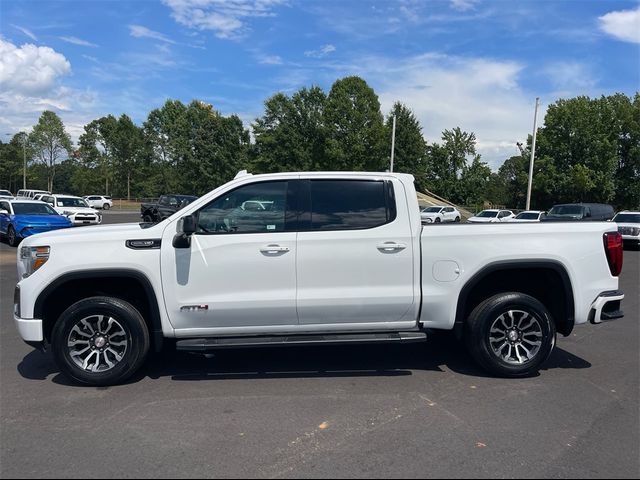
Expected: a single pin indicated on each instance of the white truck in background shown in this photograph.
(332, 258)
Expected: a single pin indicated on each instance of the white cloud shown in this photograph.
(480, 95)
(320, 53)
(78, 41)
(570, 77)
(623, 25)
(30, 82)
(270, 60)
(463, 5)
(30, 69)
(140, 31)
(226, 18)
(27, 32)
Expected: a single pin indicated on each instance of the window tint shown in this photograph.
(350, 204)
(255, 208)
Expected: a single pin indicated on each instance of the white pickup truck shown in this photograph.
(331, 258)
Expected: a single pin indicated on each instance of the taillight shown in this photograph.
(614, 248)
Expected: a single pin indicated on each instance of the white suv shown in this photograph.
(629, 227)
(74, 208)
(440, 214)
(99, 201)
(492, 216)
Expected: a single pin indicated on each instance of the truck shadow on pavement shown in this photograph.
(441, 353)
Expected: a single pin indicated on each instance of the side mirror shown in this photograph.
(187, 226)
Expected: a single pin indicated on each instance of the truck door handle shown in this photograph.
(273, 249)
(391, 247)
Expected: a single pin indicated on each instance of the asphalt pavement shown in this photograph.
(395, 411)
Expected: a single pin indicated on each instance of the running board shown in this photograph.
(206, 344)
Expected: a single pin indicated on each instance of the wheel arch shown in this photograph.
(127, 284)
(543, 277)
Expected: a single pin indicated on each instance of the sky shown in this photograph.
(476, 64)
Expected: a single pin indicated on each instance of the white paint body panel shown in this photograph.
(327, 281)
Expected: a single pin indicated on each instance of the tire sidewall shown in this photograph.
(127, 316)
(482, 319)
(12, 239)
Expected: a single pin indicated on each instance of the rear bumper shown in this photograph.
(607, 307)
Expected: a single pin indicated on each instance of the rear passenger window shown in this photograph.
(351, 204)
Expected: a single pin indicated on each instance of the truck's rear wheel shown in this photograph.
(100, 341)
(510, 334)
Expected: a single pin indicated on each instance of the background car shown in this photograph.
(629, 226)
(6, 193)
(74, 208)
(492, 216)
(22, 218)
(30, 193)
(529, 216)
(440, 214)
(166, 206)
(586, 212)
(99, 201)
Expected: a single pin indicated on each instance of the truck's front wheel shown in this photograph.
(510, 334)
(100, 341)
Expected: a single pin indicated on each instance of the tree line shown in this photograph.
(587, 150)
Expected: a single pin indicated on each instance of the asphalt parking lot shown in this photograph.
(374, 411)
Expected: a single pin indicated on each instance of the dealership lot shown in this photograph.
(376, 411)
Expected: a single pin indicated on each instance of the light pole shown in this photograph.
(533, 152)
(24, 156)
(393, 142)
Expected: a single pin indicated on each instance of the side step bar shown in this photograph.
(206, 344)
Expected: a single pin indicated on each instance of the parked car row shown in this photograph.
(39, 211)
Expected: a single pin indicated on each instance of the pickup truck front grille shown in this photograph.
(634, 231)
(85, 218)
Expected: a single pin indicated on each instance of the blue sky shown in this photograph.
(477, 64)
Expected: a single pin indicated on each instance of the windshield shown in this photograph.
(432, 210)
(488, 214)
(566, 211)
(71, 202)
(33, 209)
(527, 216)
(627, 218)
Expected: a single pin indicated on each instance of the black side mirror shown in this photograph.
(187, 226)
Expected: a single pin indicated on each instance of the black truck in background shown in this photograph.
(166, 206)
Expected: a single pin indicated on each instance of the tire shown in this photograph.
(438, 220)
(106, 206)
(122, 340)
(514, 314)
(457, 220)
(12, 236)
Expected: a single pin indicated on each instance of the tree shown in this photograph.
(12, 156)
(50, 143)
(446, 163)
(410, 146)
(290, 136)
(354, 126)
(167, 132)
(96, 154)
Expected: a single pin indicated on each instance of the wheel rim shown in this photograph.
(516, 337)
(12, 236)
(97, 343)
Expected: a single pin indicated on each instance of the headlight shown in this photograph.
(33, 258)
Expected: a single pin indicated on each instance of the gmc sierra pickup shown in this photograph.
(311, 258)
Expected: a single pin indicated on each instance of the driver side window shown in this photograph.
(255, 208)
